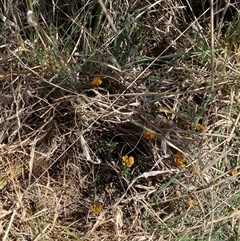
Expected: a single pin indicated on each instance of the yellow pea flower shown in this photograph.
(200, 128)
(148, 135)
(127, 161)
(96, 81)
(179, 160)
(96, 208)
(234, 172)
(190, 202)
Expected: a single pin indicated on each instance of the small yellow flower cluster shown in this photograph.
(96, 81)
(190, 202)
(148, 135)
(179, 160)
(234, 172)
(96, 207)
(200, 128)
(127, 161)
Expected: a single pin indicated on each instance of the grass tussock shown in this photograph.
(109, 129)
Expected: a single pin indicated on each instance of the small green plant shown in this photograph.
(106, 147)
(126, 172)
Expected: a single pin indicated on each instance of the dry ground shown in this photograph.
(109, 128)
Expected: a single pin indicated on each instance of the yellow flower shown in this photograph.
(234, 172)
(127, 161)
(96, 208)
(96, 81)
(200, 128)
(190, 202)
(179, 160)
(148, 135)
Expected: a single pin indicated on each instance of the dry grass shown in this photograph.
(63, 137)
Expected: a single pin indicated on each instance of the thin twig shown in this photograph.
(9, 225)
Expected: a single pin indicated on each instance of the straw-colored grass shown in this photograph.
(116, 123)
